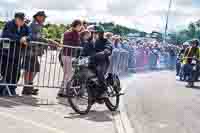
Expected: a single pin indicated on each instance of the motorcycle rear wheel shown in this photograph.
(76, 94)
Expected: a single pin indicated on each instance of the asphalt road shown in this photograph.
(47, 114)
(37, 115)
(157, 103)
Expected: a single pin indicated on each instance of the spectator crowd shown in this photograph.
(143, 54)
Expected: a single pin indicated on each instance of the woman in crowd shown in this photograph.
(71, 39)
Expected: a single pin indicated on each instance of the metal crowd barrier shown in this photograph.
(123, 61)
(49, 65)
(20, 63)
(119, 61)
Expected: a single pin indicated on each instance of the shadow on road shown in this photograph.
(196, 87)
(96, 116)
(63, 101)
(11, 102)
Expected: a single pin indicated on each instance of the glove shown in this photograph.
(23, 42)
(107, 52)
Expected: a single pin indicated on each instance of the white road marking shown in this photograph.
(121, 118)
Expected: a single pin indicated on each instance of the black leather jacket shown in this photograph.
(97, 48)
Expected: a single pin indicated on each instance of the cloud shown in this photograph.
(147, 15)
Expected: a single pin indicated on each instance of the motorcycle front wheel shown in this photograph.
(112, 102)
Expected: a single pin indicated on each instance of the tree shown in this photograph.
(192, 30)
(117, 30)
(183, 36)
(197, 33)
(2, 23)
(172, 38)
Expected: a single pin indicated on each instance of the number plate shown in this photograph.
(83, 61)
(6, 45)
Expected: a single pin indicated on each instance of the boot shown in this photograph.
(26, 91)
(30, 91)
(61, 90)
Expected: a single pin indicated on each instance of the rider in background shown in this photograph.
(99, 50)
(191, 52)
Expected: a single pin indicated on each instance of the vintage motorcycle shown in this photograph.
(82, 89)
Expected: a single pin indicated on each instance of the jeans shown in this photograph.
(101, 70)
(172, 62)
(178, 67)
(193, 75)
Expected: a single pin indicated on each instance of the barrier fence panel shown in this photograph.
(34, 64)
(119, 61)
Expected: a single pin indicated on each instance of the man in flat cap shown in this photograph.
(31, 62)
(18, 32)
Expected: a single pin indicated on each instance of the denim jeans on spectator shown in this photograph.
(131, 60)
(172, 62)
(166, 56)
(188, 71)
(178, 67)
(115, 61)
(153, 61)
(123, 63)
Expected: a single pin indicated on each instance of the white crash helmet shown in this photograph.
(186, 44)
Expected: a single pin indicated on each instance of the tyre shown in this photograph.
(79, 96)
(190, 85)
(112, 103)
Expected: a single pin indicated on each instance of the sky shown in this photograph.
(146, 15)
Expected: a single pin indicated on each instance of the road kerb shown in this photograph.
(122, 123)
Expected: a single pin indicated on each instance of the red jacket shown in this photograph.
(71, 38)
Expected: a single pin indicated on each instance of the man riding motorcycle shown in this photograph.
(99, 49)
(191, 53)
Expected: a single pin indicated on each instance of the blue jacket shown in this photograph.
(10, 31)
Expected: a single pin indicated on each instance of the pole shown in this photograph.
(167, 21)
